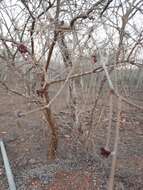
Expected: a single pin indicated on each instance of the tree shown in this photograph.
(36, 31)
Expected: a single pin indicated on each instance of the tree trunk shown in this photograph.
(53, 144)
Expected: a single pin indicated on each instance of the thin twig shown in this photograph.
(110, 121)
(113, 167)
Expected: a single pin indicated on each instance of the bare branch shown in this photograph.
(85, 15)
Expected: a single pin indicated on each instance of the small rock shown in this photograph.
(32, 161)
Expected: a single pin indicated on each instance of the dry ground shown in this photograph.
(75, 168)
